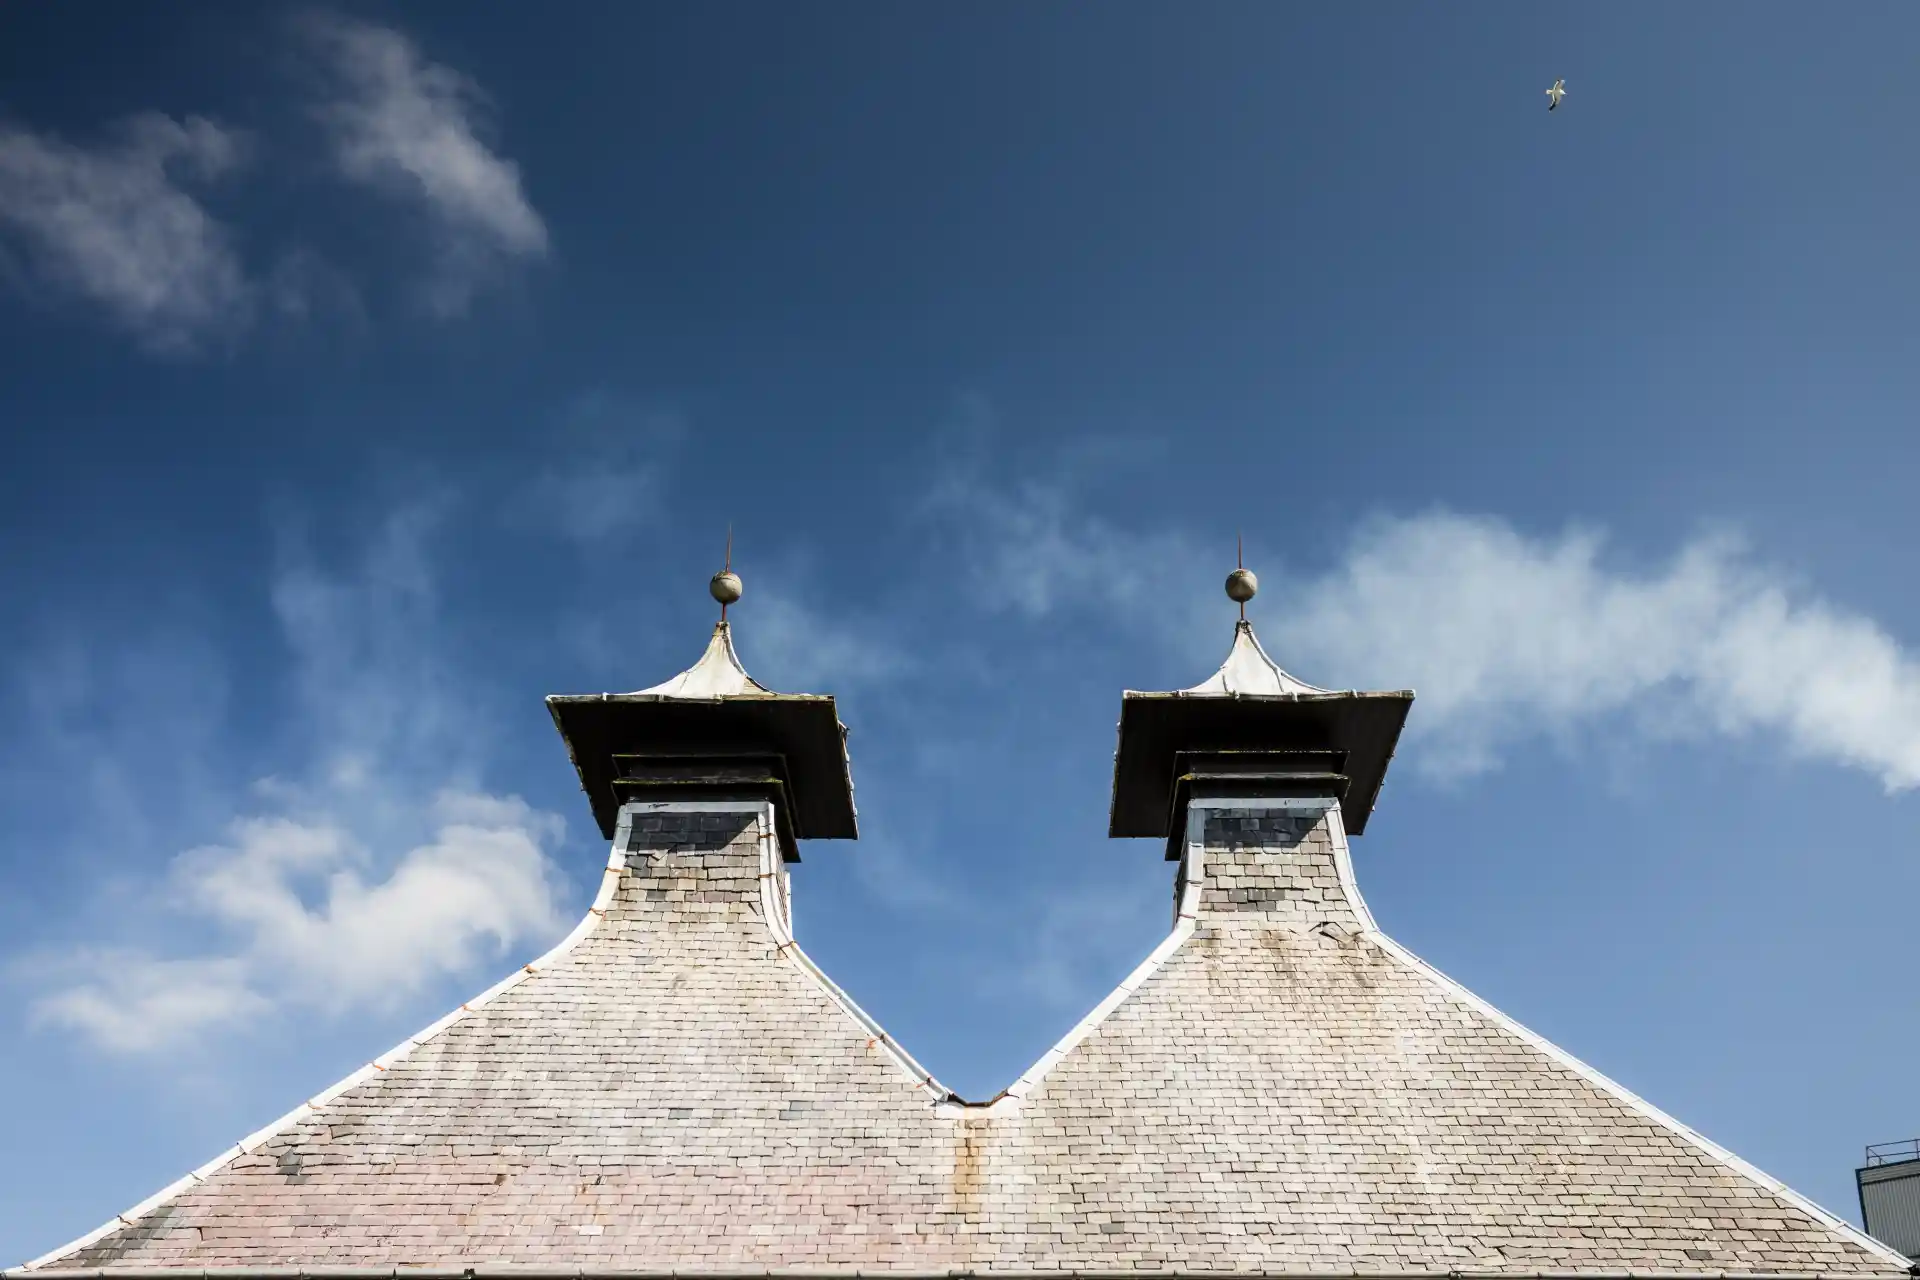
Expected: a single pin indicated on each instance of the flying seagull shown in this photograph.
(1556, 93)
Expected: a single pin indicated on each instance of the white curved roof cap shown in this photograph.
(1249, 670)
(718, 674)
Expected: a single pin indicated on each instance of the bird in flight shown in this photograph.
(1556, 93)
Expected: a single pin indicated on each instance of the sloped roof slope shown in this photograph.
(1289, 1090)
(1279, 1088)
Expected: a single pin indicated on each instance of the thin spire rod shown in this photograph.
(1239, 562)
(726, 583)
(1241, 584)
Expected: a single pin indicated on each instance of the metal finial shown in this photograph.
(725, 586)
(1241, 583)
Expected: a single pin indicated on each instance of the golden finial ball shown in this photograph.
(1242, 585)
(725, 587)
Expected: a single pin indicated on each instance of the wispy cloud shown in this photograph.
(1084, 940)
(411, 128)
(804, 647)
(600, 470)
(118, 226)
(379, 869)
(123, 225)
(1506, 637)
(134, 1002)
(1030, 548)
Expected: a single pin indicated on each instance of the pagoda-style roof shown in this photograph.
(1249, 705)
(714, 710)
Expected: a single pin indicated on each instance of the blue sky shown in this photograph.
(368, 373)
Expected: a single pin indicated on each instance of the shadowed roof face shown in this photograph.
(1280, 1088)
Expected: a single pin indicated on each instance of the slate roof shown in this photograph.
(1279, 1088)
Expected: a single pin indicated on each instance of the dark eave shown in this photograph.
(804, 729)
(1154, 727)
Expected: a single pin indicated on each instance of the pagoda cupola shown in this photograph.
(713, 732)
(1251, 730)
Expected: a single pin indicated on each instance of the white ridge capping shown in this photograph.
(1344, 864)
(780, 925)
(1193, 864)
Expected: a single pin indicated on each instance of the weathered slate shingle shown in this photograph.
(1287, 1091)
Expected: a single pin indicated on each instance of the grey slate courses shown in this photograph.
(1286, 1092)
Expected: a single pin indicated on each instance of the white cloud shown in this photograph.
(481, 883)
(1504, 636)
(376, 929)
(117, 226)
(410, 128)
(381, 872)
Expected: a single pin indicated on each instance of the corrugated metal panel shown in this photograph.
(1890, 1203)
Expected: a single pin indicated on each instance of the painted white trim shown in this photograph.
(1186, 914)
(1344, 863)
(772, 865)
